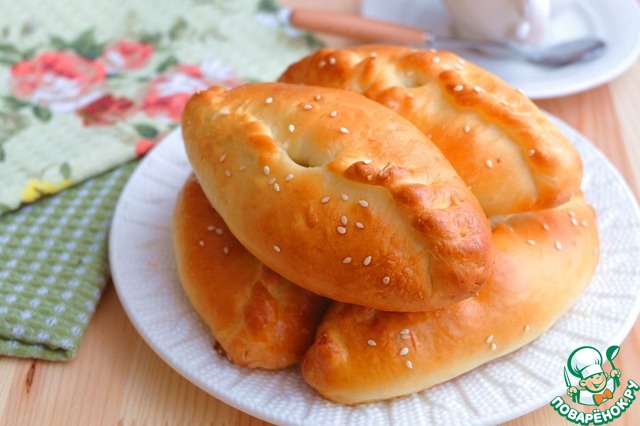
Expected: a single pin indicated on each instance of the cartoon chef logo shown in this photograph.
(590, 384)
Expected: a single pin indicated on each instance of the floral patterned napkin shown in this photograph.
(84, 88)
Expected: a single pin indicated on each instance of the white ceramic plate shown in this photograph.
(616, 22)
(144, 273)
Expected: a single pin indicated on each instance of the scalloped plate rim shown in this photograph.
(129, 305)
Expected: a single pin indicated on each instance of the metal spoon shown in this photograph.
(569, 52)
(370, 30)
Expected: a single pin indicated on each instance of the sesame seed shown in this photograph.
(493, 346)
(367, 261)
(584, 223)
(411, 95)
(371, 342)
(269, 100)
(345, 197)
(386, 280)
(201, 242)
(409, 365)
(503, 102)
(458, 88)
(242, 167)
(489, 163)
(343, 220)
(363, 203)
(333, 113)
(211, 228)
(360, 225)
(288, 178)
(478, 89)
(461, 61)
(271, 181)
(436, 59)
(344, 130)
(527, 328)
(531, 152)
(489, 339)
(572, 213)
(531, 242)
(291, 128)
(558, 245)
(373, 54)
(459, 67)
(225, 250)
(346, 260)
(341, 230)
(307, 107)
(405, 337)
(467, 128)
(222, 158)
(219, 231)
(227, 173)
(574, 221)
(404, 331)
(317, 97)
(325, 199)
(276, 187)
(277, 249)
(266, 170)
(332, 60)
(224, 111)
(404, 351)
(322, 64)
(545, 227)
(366, 161)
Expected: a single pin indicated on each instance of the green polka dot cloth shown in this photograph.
(54, 267)
(86, 87)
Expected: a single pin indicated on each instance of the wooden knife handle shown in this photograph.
(356, 27)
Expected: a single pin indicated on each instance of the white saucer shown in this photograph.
(616, 22)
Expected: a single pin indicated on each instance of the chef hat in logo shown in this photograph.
(585, 361)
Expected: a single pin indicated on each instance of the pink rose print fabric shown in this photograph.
(126, 55)
(84, 91)
(124, 85)
(66, 82)
(62, 81)
(168, 94)
(107, 110)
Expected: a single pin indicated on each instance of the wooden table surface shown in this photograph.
(117, 379)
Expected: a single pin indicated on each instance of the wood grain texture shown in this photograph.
(624, 94)
(116, 379)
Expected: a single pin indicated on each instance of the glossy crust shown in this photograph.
(544, 260)
(356, 205)
(257, 317)
(500, 143)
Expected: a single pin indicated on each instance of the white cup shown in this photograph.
(515, 21)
